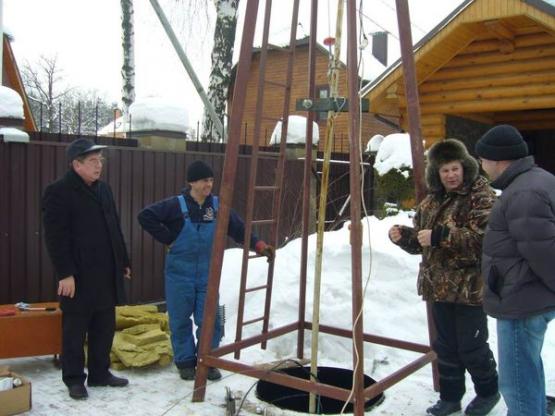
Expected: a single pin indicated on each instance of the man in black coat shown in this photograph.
(84, 239)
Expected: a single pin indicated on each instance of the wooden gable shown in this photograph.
(11, 78)
(492, 61)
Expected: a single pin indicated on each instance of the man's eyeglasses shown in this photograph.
(95, 161)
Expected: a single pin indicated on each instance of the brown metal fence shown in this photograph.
(138, 177)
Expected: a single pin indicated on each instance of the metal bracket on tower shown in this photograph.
(338, 104)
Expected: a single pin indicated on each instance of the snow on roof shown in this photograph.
(296, 131)
(11, 134)
(152, 113)
(393, 153)
(11, 104)
(374, 143)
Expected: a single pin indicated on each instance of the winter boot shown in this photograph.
(443, 408)
(480, 406)
(187, 373)
(550, 405)
(213, 374)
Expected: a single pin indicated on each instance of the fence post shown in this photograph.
(60, 119)
(96, 119)
(79, 118)
(115, 114)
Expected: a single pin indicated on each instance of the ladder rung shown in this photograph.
(277, 84)
(263, 222)
(255, 288)
(275, 154)
(271, 118)
(266, 188)
(252, 321)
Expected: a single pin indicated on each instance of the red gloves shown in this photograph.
(266, 250)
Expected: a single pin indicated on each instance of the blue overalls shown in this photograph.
(187, 264)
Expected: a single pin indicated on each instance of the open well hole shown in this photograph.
(292, 399)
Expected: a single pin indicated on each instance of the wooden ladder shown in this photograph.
(256, 191)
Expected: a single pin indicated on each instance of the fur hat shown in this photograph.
(199, 170)
(502, 142)
(449, 150)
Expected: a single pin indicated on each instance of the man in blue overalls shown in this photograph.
(186, 223)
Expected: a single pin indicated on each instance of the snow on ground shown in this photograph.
(392, 308)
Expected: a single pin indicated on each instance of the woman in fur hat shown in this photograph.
(448, 228)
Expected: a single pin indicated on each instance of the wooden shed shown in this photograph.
(488, 62)
(276, 70)
(11, 78)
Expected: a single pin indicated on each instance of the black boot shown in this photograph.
(480, 406)
(78, 391)
(443, 408)
(187, 373)
(550, 404)
(213, 374)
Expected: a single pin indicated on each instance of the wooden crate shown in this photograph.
(31, 333)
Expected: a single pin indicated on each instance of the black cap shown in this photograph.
(80, 147)
(503, 142)
(199, 170)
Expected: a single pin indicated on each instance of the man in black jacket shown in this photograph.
(518, 264)
(84, 239)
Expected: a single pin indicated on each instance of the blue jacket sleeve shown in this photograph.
(236, 230)
(162, 220)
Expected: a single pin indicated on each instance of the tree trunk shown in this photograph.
(220, 75)
(128, 44)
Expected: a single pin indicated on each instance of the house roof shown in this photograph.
(305, 41)
(489, 60)
(435, 30)
(12, 78)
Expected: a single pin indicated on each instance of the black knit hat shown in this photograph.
(80, 147)
(501, 142)
(198, 170)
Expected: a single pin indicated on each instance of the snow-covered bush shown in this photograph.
(394, 184)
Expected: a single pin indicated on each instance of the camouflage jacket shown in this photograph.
(450, 269)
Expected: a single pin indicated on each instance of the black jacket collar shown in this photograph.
(516, 168)
(79, 184)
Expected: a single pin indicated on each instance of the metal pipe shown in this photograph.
(307, 177)
(188, 67)
(356, 228)
(226, 197)
(411, 92)
(413, 108)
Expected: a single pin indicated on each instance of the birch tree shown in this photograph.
(222, 55)
(128, 44)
